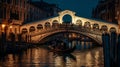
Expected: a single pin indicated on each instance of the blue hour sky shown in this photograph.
(81, 7)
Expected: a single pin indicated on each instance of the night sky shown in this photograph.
(82, 8)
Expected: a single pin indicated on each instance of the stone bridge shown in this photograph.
(92, 28)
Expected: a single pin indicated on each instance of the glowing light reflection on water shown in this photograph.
(41, 57)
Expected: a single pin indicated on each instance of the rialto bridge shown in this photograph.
(39, 30)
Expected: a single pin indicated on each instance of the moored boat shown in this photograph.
(57, 50)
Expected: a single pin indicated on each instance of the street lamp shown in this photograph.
(3, 26)
(10, 29)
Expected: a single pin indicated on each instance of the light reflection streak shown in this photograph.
(88, 59)
(41, 57)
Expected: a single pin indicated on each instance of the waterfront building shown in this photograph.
(107, 10)
(37, 10)
(14, 13)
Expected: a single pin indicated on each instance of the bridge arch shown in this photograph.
(39, 26)
(79, 22)
(47, 25)
(104, 28)
(96, 26)
(87, 24)
(55, 23)
(112, 29)
(31, 29)
(72, 31)
(67, 18)
(66, 12)
(24, 30)
(76, 20)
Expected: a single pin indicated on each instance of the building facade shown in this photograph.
(14, 13)
(12, 10)
(107, 10)
(37, 10)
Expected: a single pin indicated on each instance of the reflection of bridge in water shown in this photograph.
(38, 31)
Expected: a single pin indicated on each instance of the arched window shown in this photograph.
(104, 28)
(112, 29)
(32, 28)
(55, 24)
(24, 30)
(67, 18)
(87, 25)
(39, 26)
(47, 25)
(79, 22)
(95, 26)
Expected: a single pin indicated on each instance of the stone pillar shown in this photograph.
(85, 46)
(88, 45)
(19, 38)
(26, 38)
(106, 49)
(30, 38)
(80, 45)
(70, 44)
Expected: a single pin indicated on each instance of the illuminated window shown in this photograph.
(32, 28)
(112, 29)
(79, 22)
(39, 26)
(24, 30)
(55, 23)
(47, 25)
(87, 25)
(95, 26)
(104, 28)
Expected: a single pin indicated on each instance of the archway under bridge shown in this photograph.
(67, 36)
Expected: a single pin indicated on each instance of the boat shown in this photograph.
(60, 46)
(57, 50)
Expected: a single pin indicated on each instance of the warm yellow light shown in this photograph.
(3, 25)
(10, 27)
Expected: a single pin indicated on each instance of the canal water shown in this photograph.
(40, 56)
